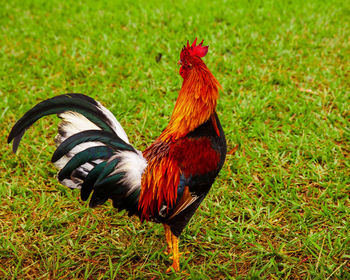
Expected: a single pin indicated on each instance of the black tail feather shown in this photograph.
(89, 182)
(110, 139)
(90, 154)
(68, 102)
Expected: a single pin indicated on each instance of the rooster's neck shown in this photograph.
(195, 105)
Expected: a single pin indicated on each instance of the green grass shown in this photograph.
(280, 208)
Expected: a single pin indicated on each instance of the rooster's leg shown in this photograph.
(168, 238)
(176, 255)
(176, 263)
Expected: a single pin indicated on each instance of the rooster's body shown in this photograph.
(168, 181)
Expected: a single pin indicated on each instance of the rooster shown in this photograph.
(168, 181)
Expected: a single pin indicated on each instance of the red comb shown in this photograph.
(197, 50)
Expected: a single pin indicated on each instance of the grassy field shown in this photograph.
(280, 208)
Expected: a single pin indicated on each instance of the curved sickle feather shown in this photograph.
(67, 102)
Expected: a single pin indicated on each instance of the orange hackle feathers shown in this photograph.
(196, 102)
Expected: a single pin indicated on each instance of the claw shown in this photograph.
(173, 268)
(167, 251)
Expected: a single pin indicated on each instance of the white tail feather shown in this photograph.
(73, 123)
(118, 129)
(132, 165)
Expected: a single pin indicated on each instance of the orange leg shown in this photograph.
(168, 238)
(176, 262)
(173, 247)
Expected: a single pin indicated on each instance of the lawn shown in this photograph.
(280, 208)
